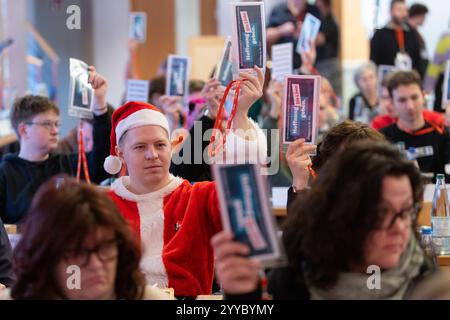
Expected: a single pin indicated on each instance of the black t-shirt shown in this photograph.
(330, 49)
(433, 147)
(280, 14)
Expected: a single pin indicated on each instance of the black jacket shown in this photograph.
(384, 47)
(6, 273)
(20, 179)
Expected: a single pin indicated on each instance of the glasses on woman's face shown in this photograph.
(105, 251)
(388, 216)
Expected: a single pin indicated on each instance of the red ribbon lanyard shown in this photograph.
(400, 39)
(212, 151)
(312, 172)
(82, 156)
(424, 131)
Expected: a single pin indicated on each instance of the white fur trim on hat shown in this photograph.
(141, 118)
(112, 165)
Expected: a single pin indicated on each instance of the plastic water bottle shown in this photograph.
(427, 243)
(440, 217)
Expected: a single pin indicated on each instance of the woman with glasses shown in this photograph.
(350, 237)
(76, 245)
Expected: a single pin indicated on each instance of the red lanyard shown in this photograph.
(400, 39)
(424, 131)
(82, 156)
(212, 151)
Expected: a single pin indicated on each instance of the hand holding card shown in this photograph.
(245, 211)
(100, 86)
(301, 109)
(236, 273)
(251, 90)
(299, 161)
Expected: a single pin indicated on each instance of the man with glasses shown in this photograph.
(36, 121)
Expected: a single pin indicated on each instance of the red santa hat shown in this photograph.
(131, 115)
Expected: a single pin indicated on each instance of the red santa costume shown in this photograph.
(174, 224)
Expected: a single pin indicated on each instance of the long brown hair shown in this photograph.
(63, 213)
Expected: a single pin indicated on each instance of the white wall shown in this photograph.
(223, 14)
(110, 44)
(187, 16)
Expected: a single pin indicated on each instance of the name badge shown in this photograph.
(403, 61)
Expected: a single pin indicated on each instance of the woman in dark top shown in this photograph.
(341, 249)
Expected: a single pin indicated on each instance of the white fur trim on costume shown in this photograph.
(112, 165)
(141, 118)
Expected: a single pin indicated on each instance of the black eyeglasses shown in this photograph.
(387, 216)
(105, 251)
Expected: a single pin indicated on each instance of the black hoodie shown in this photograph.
(20, 179)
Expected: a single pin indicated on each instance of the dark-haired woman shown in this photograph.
(351, 237)
(76, 245)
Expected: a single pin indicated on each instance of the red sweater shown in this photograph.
(191, 218)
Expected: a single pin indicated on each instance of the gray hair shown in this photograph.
(367, 66)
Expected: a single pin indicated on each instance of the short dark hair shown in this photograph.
(196, 85)
(417, 9)
(340, 136)
(327, 3)
(329, 225)
(28, 107)
(62, 214)
(157, 86)
(394, 2)
(403, 78)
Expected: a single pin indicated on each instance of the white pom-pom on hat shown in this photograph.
(112, 165)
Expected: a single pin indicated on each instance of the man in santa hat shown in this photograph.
(173, 219)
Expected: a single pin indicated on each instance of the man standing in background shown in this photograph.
(396, 44)
(417, 14)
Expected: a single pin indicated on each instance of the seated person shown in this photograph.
(363, 105)
(35, 120)
(424, 141)
(304, 168)
(387, 115)
(173, 219)
(333, 244)
(78, 247)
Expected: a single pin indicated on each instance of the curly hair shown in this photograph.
(330, 225)
(62, 214)
(341, 135)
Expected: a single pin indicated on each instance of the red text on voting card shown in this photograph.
(296, 95)
(246, 22)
